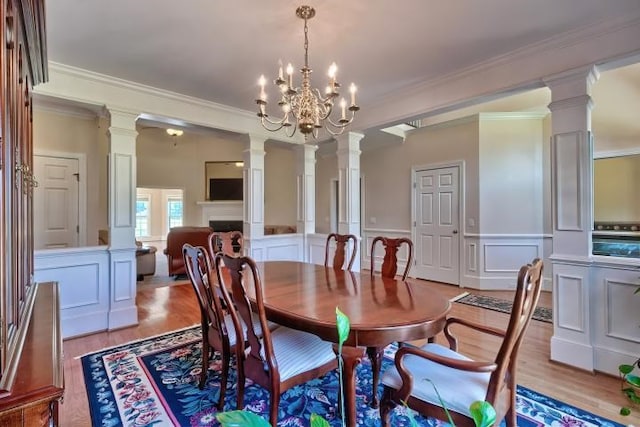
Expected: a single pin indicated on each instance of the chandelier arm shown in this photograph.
(341, 124)
(266, 122)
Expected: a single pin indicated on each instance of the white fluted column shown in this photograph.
(121, 201)
(349, 187)
(571, 169)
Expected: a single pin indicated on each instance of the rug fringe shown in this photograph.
(137, 340)
(457, 297)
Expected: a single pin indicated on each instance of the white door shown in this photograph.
(55, 211)
(436, 225)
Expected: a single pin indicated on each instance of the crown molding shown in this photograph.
(523, 115)
(531, 64)
(141, 88)
(604, 154)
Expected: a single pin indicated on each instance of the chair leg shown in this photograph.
(226, 359)
(240, 387)
(511, 417)
(275, 404)
(386, 405)
(375, 356)
(205, 362)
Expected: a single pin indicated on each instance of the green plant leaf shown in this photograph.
(241, 419)
(412, 419)
(483, 413)
(344, 326)
(625, 369)
(624, 411)
(634, 380)
(318, 421)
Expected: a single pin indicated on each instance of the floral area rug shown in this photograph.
(154, 382)
(543, 314)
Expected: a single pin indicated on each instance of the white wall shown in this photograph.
(279, 186)
(615, 189)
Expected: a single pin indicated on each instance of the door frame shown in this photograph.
(460, 165)
(82, 187)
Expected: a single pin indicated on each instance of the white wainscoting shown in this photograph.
(369, 234)
(492, 261)
(276, 247)
(83, 277)
(315, 248)
(616, 314)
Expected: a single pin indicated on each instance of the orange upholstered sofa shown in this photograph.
(177, 237)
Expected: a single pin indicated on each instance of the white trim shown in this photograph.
(631, 151)
(508, 236)
(82, 187)
(385, 230)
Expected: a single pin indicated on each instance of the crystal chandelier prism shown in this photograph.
(305, 108)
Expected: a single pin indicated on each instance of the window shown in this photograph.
(174, 208)
(142, 216)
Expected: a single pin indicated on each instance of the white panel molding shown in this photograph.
(631, 151)
(569, 294)
(508, 257)
(122, 269)
(621, 310)
(123, 175)
(83, 275)
(492, 261)
(567, 171)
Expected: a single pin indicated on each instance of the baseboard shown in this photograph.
(120, 318)
(572, 353)
(85, 324)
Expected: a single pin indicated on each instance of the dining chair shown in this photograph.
(284, 357)
(388, 270)
(390, 260)
(218, 328)
(459, 380)
(339, 256)
(230, 242)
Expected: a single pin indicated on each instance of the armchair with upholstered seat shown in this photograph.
(459, 380)
(176, 238)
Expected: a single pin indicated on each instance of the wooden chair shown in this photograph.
(229, 242)
(339, 255)
(460, 381)
(390, 261)
(217, 328)
(284, 357)
(388, 269)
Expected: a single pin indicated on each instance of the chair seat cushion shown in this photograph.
(298, 351)
(231, 330)
(458, 389)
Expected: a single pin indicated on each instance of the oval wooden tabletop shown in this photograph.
(381, 310)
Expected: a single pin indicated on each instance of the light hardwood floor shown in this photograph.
(163, 309)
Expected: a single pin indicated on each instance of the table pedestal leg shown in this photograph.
(351, 356)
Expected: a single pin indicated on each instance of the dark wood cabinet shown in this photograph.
(30, 343)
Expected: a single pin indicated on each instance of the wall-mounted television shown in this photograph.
(225, 188)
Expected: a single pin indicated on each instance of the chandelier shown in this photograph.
(305, 106)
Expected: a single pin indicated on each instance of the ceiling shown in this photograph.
(216, 50)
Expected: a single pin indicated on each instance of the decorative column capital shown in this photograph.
(572, 83)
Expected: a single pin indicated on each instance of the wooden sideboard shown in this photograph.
(39, 384)
(31, 382)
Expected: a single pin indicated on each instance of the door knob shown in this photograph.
(455, 231)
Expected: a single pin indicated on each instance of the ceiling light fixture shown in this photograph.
(305, 105)
(175, 133)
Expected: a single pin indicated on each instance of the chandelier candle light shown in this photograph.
(309, 109)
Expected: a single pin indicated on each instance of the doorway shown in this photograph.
(436, 220)
(56, 212)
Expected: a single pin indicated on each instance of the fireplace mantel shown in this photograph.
(220, 210)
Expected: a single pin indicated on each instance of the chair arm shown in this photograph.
(462, 365)
(453, 341)
(407, 379)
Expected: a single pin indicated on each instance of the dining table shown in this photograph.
(381, 311)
